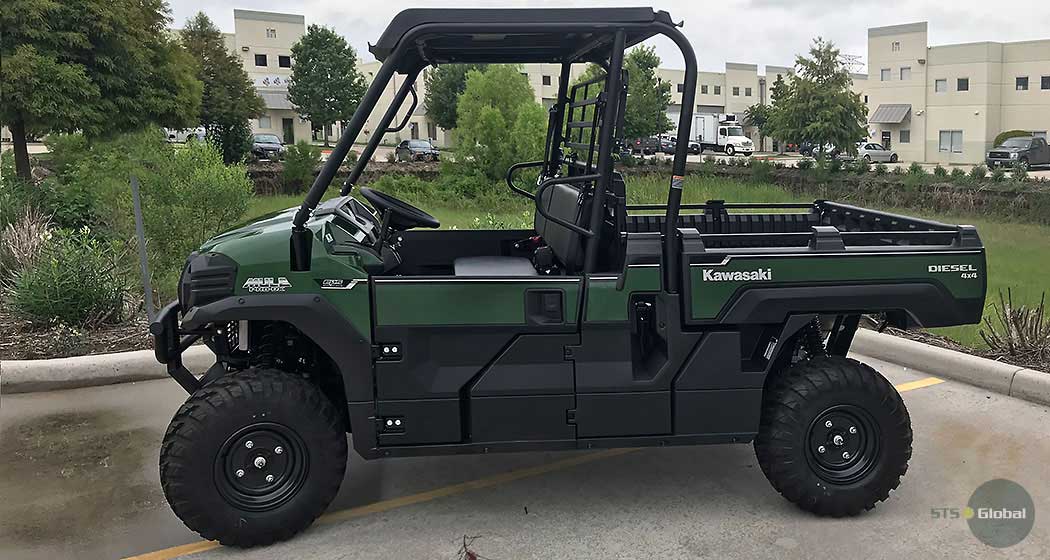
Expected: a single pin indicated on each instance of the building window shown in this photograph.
(681, 88)
(1044, 82)
(747, 92)
(1021, 83)
(895, 46)
(940, 86)
(264, 122)
(546, 80)
(271, 33)
(865, 99)
(962, 84)
(905, 137)
(432, 131)
(703, 89)
(718, 90)
(260, 60)
(284, 61)
(736, 91)
(884, 75)
(950, 141)
(905, 73)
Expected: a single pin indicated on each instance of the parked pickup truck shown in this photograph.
(1023, 151)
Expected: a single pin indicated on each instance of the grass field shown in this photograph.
(1018, 254)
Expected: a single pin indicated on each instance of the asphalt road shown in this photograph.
(78, 479)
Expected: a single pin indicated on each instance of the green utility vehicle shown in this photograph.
(606, 325)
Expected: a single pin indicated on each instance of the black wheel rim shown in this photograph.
(842, 445)
(261, 466)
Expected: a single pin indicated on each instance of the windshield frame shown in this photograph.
(264, 138)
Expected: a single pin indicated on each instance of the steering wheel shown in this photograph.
(402, 215)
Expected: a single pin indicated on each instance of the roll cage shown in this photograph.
(583, 129)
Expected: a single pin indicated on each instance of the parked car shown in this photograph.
(813, 150)
(695, 147)
(185, 134)
(267, 146)
(667, 145)
(872, 151)
(645, 146)
(1021, 150)
(416, 150)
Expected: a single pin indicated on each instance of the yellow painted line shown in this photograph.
(445, 491)
(912, 385)
(393, 503)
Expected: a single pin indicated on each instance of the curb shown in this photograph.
(1006, 379)
(26, 376)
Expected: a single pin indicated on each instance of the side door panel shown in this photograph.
(478, 359)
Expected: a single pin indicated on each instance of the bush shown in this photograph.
(391, 156)
(916, 169)
(978, 173)
(761, 171)
(861, 166)
(1019, 173)
(188, 195)
(998, 175)
(77, 279)
(957, 176)
(66, 151)
(234, 142)
(898, 171)
(1004, 136)
(805, 164)
(940, 172)
(300, 163)
(881, 169)
(21, 242)
(351, 157)
(1019, 332)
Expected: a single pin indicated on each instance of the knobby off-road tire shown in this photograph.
(209, 461)
(835, 437)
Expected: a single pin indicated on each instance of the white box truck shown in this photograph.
(721, 133)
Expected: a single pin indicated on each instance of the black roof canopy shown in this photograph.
(441, 36)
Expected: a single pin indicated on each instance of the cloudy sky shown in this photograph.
(754, 31)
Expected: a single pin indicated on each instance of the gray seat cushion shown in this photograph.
(494, 266)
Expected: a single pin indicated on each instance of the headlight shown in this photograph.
(1013, 155)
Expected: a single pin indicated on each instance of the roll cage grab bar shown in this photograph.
(301, 242)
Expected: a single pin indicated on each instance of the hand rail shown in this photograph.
(408, 115)
(510, 177)
(547, 183)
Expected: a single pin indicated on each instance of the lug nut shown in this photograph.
(259, 462)
(821, 449)
(845, 454)
(278, 450)
(837, 440)
(248, 444)
(239, 473)
(852, 429)
(827, 424)
(269, 478)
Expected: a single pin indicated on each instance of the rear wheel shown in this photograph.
(893, 158)
(867, 158)
(253, 458)
(835, 437)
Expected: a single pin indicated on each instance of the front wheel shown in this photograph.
(730, 151)
(835, 437)
(253, 458)
(893, 158)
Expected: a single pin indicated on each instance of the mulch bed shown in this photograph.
(945, 342)
(20, 340)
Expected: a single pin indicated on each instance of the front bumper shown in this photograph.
(169, 344)
(1000, 162)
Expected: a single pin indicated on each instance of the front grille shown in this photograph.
(208, 277)
(999, 155)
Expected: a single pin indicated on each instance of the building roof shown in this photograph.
(275, 99)
(890, 113)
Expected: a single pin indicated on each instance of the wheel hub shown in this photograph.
(843, 444)
(261, 466)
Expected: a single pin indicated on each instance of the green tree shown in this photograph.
(444, 84)
(816, 104)
(647, 95)
(499, 122)
(229, 98)
(326, 86)
(100, 66)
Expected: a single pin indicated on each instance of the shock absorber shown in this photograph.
(813, 339)
(267, 346)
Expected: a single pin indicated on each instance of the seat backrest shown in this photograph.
(567, 203)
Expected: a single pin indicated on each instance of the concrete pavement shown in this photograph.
(80, 480)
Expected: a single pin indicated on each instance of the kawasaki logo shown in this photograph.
(738, 276)
(268, 284)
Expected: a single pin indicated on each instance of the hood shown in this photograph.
(279, 221)
(738, 139)
(268, 145)
(1008, 149)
